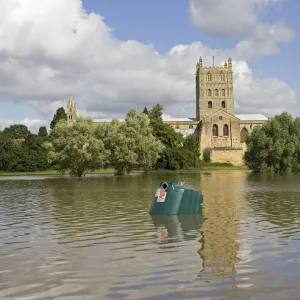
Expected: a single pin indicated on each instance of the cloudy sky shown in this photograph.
(114, 55)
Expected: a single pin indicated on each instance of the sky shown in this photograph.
(112, 55)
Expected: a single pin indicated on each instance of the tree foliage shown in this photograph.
(275, 147)
(27, 156)
(43, 131)
(131, 143)
(143, 141)
(17, 131)
(74, 146)
(180, 152)
(59, 115)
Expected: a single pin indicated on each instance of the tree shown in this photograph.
(27, 156)
(180, 152)
(131, 143)
(43, 131)
(17, 131)
(164, 132)
(9, 153)
(75, 147)
(59, 115)
(207, 155)
(275, 147)
(33, 155)
(145, 111)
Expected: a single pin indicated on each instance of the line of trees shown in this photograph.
(143, 141)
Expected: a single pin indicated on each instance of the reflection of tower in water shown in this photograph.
(223, 192)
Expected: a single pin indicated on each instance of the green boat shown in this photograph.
(174, 199)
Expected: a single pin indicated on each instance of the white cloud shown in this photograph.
(51, 49)
(240, 18)
(32, 124)
(264, 95)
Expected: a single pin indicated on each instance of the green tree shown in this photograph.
(275, 146)
(9, 153)
(17, 131)
(59, 115)
(74, 146)
(131, 143)
(145, 111)
(164, 132)
(27, 156)
(180, 152)
(191, 143)
(33, 155)
(43, 131)
(207, 155)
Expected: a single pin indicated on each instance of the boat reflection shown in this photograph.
(176, 228)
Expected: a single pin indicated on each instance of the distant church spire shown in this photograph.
(71, 110)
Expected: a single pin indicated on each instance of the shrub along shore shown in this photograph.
(204, 167)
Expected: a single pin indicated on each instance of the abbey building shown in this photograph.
(220, 131)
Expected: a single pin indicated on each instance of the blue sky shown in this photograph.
(171, 25)
(165, 24)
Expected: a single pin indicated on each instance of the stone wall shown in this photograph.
(233, 156)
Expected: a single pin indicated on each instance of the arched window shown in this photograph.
(225, 130)
(216, 92)
(223, 92)
(222, 77)
(223, 104)
(191, 127)
(243, 135)
(209, 105)
(209, 77)
(209, 92)
(215, 130)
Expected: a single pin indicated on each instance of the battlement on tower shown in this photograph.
(214, 89)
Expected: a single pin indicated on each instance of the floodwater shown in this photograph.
(92, 238)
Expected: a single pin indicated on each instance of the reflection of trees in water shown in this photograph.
(91, 203)
(80, 202)
(275, 198)
(175, 228)
(119, 203)
(223, 192)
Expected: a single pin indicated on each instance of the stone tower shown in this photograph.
(71, 110)
(214, 89)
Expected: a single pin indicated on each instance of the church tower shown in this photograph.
(71, 110)
(214, 89)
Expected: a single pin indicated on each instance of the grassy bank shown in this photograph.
(221, 166)
(53, 172)
(210, 167)
(110, 170)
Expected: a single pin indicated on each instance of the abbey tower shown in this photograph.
(214, 89)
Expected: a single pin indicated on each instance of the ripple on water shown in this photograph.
(92, 238)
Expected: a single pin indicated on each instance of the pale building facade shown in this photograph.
(220, 131)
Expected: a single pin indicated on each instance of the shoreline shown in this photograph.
(110, 171)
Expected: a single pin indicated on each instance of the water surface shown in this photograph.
(92, 238)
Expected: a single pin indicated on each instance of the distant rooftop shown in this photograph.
(107, 120)
(169, 119)
(242, 117)
(252, 117)
(166, 119)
